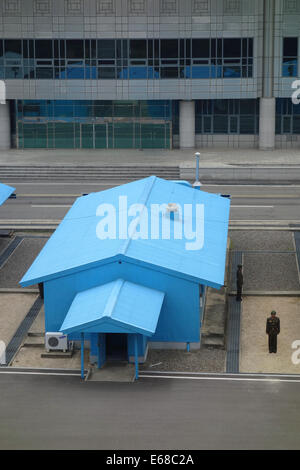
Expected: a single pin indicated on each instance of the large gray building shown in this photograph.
(149, 73)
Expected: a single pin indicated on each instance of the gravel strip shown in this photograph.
(203, 360)
(242, 240)
(20, 260)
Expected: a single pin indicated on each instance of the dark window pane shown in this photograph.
(296, 125)
(169, 48)
(221, 107)
(287, 125)
(250, 47)
(232, 48)
(87, 49)
(44, 72)
(207, 124)
(221, 124)
(150, 48)
(213, 48)
(25, 48)
(169, 72)
(56, 49)
(188, 48)
(182, 48)
(138, 49)
(62, 47)
(233, 124)
(43, 49)
(247, 125)
(106, 72)
(247, 106)
(200, 48)
(12, 48)
(278, 125)
(219, 48)
(290, 47)
(106, 49)
(74, 49)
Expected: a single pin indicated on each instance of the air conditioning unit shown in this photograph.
(56, 342)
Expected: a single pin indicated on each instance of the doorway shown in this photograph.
(116, 347)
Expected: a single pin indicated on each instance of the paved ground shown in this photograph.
(254, 355)
(151, 156)
(38, 412)
(13, 309)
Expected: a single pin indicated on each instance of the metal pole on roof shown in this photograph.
(197, 184)
(82, 355)
(136, 360)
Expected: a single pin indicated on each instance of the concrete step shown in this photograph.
(213, 342)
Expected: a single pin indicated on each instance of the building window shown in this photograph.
(126, 59)
(93, 124)
(227, 116)
(287, 116)
(290, 57)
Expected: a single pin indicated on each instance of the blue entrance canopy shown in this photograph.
(115, 307)
(5, 192)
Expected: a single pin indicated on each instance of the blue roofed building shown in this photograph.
(5, 192)
(127, 268)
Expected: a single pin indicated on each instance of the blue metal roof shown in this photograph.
(74, 245)
(5, 192)
(118, 306)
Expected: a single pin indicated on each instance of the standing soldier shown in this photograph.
(239, 283)
(273, 329)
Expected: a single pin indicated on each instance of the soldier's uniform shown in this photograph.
(273, 329)
(239, 283)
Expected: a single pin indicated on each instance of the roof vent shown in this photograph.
(172, 207)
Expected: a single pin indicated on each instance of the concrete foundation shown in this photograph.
(4, 126)
(267, 124)
(187, 124)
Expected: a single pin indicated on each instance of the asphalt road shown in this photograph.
(51, 200)
(38, 412)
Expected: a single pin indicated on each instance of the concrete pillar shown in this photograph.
(4, 126)
(267, 102)
(267, 123)
(187, 124)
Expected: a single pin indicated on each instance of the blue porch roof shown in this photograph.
(74, 246)
(115, 307)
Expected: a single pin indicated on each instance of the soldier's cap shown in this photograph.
(240, 265)
(273, 312)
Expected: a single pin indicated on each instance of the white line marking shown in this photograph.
(252, 207)
(218, 378)
(39, 373)
(51, 205)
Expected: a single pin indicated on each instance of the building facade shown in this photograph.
(149, 73)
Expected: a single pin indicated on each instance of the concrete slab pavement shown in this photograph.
(214, 157)
(254, 353)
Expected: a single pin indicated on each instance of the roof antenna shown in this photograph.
(197, 184)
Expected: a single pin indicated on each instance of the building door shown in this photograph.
(116, 347)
